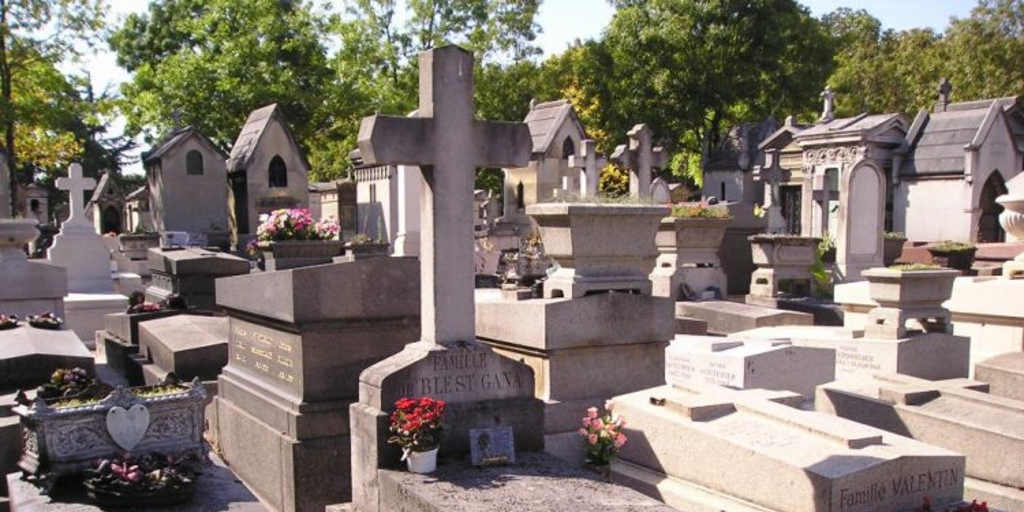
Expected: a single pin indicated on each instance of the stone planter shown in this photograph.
(892, 249)
(688, 255)
(959, 260)
(136, 247)
(59, 441)
(599, 247)
(781, 258)
(1012, 220)
(366, 250)
(904, 295)
(285, 254)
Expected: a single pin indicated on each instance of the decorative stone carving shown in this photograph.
(840, 154)
(127, 426)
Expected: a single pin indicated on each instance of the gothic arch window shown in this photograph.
(520, 202)
(278, 172)
(194, 163)
(568, 147)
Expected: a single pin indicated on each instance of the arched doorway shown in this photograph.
(989, 230)
(111, 220)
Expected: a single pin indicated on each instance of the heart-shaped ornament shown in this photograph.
(127, 426)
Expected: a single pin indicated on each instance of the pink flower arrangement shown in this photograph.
(295, 224)
(603, 436)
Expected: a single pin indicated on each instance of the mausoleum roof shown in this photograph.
(937, 140)
(545, 119)
(249, 138)
(139, 193)
(739, 149)
(177, 136)
(847, 125)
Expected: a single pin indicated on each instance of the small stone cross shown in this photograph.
(76, 185)
(775, 176)
(828, 113)
(590, 162)
(447, 144)
(640, 158)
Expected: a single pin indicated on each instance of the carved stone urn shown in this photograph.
(1012, 220)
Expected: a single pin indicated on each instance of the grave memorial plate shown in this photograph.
(492, 446)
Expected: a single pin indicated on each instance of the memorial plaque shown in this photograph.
(492, 446)
(268, 354)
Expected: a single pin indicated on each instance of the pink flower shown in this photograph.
(620, 440)
(582, 431)
(592, 412)
(597, 423)
(592, 439)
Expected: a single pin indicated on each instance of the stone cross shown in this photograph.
(76, 185)
(775, 176)
(828, 113)
(945, 89)
(447, 144)
(590, 162)
(640, 158)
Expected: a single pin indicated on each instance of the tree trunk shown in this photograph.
(6, 102)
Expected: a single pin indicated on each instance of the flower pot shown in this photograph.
(285, 254)
(599, 247)
(959, 260)
(422, 462)
(688, 259)
(604, 471)
(366, 250)
(782, 258)
(905, 288)
(892, 250)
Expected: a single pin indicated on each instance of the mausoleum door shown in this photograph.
(791, 203)
(111, 220)
(239, 203)
(989, 230)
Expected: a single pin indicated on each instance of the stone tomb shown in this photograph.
(930, 356)
(724, 317)
(956, 414)
(1004, 375)
(190, 273)
(582, 350)
(298, 339)
(120, 341)
(191, 346)
(709, 448)
(768, 364)
(29, 287)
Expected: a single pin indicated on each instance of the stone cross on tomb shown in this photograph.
(828, 113)
(640, 158)
(775, 176)
(76, 185)
(447, 144)
(590, 162)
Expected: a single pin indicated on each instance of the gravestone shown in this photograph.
(957, 414)
(768, 364)
(298, 339)
(190, 346)
(590, 163)
(77, 247)
(29, 287)
(640, 157)
(190, 274)
(1004, 375)
(481, 388)
(705, 447)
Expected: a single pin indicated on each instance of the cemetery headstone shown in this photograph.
(120, 341)
(297, 340)
(190, 274)
(957, 414)
(77, 247)
(705, 446)
(481, 388)
(590, 163)
(640, 157)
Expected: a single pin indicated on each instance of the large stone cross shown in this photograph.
(590, 162)
(775, 176)
(640, 158)
(447, 144)
(76, 185)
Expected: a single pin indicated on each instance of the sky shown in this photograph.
(564, 21)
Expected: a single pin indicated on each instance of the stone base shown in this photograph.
(766, 282)
(1004, 375)
(690, 283)
(1013, 269)
(998, 497)
(120, 356)
(564, 283)
(537, 483)
(126, 283)
(679, 494)
(10, 439)
(932, 356)
(218, 489)
(824, 312)
(691, 326)
(725, 317)
(85, 313)
(286, 473)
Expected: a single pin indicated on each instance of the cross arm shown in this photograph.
(393, 140)
(502, 144)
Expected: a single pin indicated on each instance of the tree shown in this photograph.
(985, 52)
(36, 35)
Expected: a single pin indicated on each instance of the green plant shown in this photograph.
(700, 210)
(148, 473)
(949, 247)
(827, 243)
(8, 322)
(895, 235)
(911, 267)
(360, 239)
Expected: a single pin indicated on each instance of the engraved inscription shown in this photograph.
(923, 483)
(262, 352)
(461, 373)
(851, 357)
